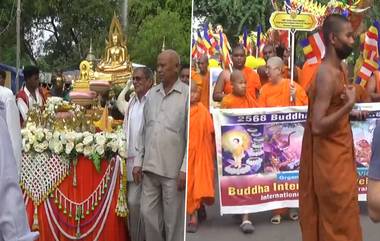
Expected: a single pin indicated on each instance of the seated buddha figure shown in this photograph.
(116, 58)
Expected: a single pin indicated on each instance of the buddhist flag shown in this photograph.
(317, 45)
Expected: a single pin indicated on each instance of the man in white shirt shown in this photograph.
(12, 119)
(30, 94)
(142, 81)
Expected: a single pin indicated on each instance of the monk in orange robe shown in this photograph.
(307, 74)
(204, 76)
(373, 86)
(268, 51)
(223, 84)
(328, 191)
(201, 156)
(279, 91)
(239, 97)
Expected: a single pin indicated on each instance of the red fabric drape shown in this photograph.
(88, 179)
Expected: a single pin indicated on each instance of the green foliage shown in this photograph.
(233, 15)
(96, 160)
(155, 30)
(150, 21)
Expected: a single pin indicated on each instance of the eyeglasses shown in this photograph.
(137, 78)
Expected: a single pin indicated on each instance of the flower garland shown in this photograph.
(94, 146)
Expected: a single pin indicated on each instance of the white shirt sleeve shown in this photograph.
(13, 122)
(23, 108)
(121, 103)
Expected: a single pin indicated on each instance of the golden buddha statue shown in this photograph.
(116, 57)
(85, 75)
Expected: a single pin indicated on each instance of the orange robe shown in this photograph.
(307, 74)
(361, 94)
(204, 82)
(253, 82)
(377, 79)
(279, 95)
(200, 183)
(232, 101)
(328, 194)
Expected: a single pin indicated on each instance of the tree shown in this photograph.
(153, 20)
(233, 15)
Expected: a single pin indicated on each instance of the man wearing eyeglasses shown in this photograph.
(142, 79)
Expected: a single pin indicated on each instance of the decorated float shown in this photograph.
(73, 163)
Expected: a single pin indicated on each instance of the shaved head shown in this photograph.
(274, 69)
(203, 64)
(239, 84)
(275, 62)
(195, 92)
(333, 24)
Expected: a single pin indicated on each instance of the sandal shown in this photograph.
(293, 214)
(192, 228)
(276, 219)
(247, 227)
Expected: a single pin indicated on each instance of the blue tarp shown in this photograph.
(13, 72)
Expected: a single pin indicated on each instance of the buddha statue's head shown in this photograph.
(115, 39)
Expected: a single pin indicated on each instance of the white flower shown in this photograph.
(57, 147)
(70, 136)
(41, 147)
(99, 149)
(79, 147)
(69, 147)
(40, 135)
(56, 135)
(122, 152)
(31, 139)
(32, 127)
(88, 140)
(25, 132)
(113, 145)
(63, 138)
(26, 147)
(87, 150)
(78, 136)
(100, 139)
(48, 135)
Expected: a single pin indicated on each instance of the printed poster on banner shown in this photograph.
(258, 154)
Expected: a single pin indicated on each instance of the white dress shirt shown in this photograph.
(23, 107)
(132, 124)
(13, 122)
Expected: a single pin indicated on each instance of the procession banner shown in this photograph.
(258, 154)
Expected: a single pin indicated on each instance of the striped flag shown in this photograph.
(317, 45)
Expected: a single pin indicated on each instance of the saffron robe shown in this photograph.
(231, 101)
(253, 82)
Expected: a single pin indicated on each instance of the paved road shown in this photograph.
(226, 228)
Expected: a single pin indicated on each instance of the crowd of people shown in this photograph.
(328, 189)
(155, 117)
(169, 133)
